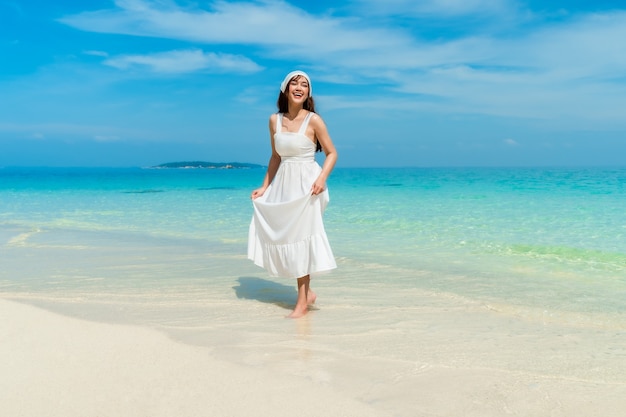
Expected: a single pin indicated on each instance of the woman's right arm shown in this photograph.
(272, 165)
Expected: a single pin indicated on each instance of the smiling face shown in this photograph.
(298, 89)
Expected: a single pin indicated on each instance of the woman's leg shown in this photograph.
(302, 303)
(310, 296)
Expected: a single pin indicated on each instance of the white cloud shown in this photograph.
(510, 142)
(464, 7)
(96, 53)
(568, 68)
(184, 61)
(442, 8)
(269, 23)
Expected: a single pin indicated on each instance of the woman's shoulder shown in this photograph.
(273, 119)
(316, 120)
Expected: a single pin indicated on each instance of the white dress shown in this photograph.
(286, 235)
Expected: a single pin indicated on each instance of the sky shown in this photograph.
(398, 82)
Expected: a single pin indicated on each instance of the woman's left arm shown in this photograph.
(321, 134)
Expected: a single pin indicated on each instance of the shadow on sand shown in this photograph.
(252, 288)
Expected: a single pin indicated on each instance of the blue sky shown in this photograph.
(398, 82)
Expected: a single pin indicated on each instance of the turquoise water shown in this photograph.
(538, 238)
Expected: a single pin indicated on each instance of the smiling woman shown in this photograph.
(287, 235)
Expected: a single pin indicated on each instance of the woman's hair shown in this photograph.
(309, 104)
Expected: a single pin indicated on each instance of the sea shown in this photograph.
(530, 236)
(530, 259)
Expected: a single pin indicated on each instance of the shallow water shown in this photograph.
(530, 237)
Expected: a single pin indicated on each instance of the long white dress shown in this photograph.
(287, 235)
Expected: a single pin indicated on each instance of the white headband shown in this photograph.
(292, 74)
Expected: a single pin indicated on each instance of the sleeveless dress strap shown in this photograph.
(279, 122)
(305, 123)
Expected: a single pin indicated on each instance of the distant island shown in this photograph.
(210, 165)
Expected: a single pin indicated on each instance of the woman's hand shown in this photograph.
(318, 186)
(257, 193)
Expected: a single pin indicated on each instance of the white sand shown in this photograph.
(59, 366)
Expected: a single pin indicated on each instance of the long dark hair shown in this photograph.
(309, 104)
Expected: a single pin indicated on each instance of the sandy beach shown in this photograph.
(60, 366)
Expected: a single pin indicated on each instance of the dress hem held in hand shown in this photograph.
(287, 235)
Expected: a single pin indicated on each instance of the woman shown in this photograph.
(287, 235)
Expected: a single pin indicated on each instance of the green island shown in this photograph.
(209, 165)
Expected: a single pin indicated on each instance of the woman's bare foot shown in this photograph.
(298, 312)
(305, 297)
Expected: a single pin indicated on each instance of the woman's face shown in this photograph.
(298, 89)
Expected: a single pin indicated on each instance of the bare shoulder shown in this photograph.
(272, 124)
(317, 121)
